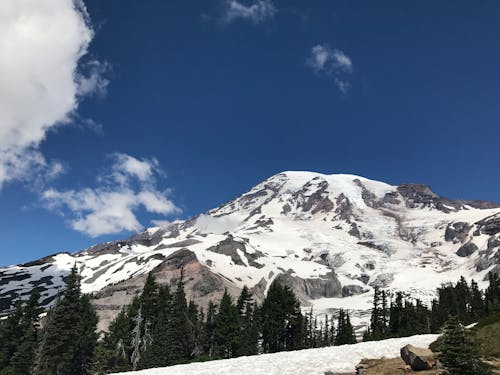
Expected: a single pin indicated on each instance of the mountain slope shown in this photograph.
(331, 237)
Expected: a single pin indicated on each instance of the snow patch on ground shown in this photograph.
(337, 359)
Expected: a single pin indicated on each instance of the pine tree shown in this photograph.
(149, 300)
(9, 343)
(194, 326)
(378, 320)
(281, 320)
(345, 332)
(87, 338)
(156, 355)
(492, 295)
(113, 352)
(68, 338)
(396, 315)
(227, 330)
(458, 353)
(178, 345)
(249, 335)
(24, 325)
(477, 302)
(208, 329)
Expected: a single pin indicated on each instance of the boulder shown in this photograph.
(468, 249)
(418, 359)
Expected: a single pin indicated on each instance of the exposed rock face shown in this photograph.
(457, 232)
(230, 248)
(490, 226)
(382, 280)
(306, 289)
(352, 290)
(201, 285)
(310, 230)
(419, 359)
(416, 194)
(467, 249)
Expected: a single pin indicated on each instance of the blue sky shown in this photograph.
(169, 108)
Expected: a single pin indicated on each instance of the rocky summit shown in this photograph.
(332, 238)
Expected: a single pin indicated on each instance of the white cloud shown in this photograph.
(256, 12)
(332, 63)
(129, 185)
(41, 43)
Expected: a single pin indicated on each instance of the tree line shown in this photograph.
(399, 316)
(159, 328)
(162, 328)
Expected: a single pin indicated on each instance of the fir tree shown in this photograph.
(21, 347)
(208, 329)
(281, 320)
(68, 339)
(249, 335)
(156, 354)
(458, 353)
(345, 332)
(227, 330)
(178, 345)
(9, 342)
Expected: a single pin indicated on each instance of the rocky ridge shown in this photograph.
(332, 238)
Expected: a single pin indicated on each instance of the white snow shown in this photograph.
(337, 359)
(404, 245)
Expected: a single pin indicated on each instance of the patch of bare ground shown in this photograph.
(495, 364)
(391, 366)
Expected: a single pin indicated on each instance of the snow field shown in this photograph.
(338, 359)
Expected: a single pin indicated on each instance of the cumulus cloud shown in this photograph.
(256, 12)
(41, 44)
(332, 63)
(127, 186)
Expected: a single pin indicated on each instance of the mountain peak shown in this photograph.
(332, 238)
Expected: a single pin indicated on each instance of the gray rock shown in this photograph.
(354, 231)
(352, 290)
(419, 359)
(383, 280)
(230, 247)
(457, 232)
(344, 208)
(490, 225)
(325, 286)
(467, 249)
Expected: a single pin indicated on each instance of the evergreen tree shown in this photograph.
(492, 295)
(249, 335)
(208, 329)
(195, 329)
(156, 355)
(478, 308)
(378, 319)
(458, 353)
(178, 345)
(112, 352)
(19, 337)
(227, 330)
(281, 320)
(345, 332)
(9, 343)
(68, 338)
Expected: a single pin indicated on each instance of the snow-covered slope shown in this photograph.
(335, 359)
(333, 238)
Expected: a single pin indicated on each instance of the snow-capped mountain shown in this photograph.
(332, 238)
